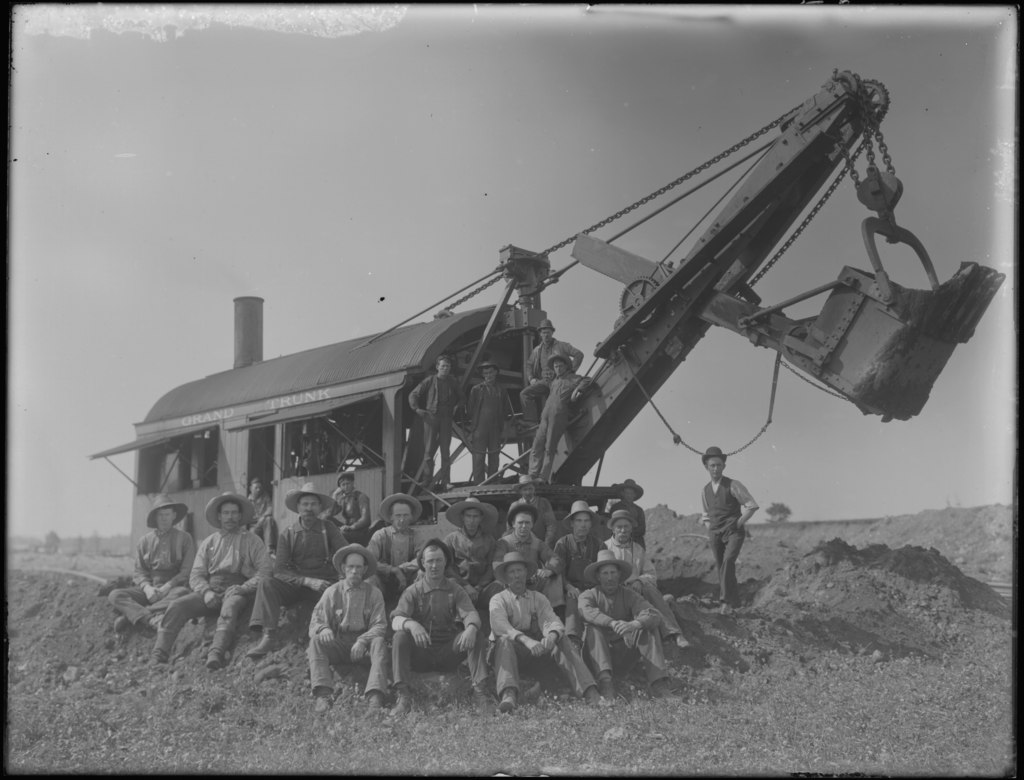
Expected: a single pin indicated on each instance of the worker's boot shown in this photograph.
(403, 703)
(161, 652)
(267, 644)
(217, 657)
(508, 700)
(606, 686)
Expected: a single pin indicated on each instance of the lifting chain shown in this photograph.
(471, 293)
(815, 385)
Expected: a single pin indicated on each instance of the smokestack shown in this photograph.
(248, 330)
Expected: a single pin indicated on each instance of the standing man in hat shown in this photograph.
(573, 554)
(630, 493)
(472, 545)
(435, 627)
(229, 565)
(303, 569)
(487, 412)
(163, 561)
(547, 527)
(539, 370)
(350, 510)
(394, 546)
(566, 388)
(263, 509)
(521, 539)
(348, 627)
(644, 579)
(435, 400)
(621, 628)
(727, 506)
(525, 628)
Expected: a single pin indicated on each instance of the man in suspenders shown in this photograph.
(303, 569)
(727, 506)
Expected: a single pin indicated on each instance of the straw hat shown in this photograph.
(605, 557)
(629, 484)
(509, 559)
(515, 509)
(371, 560)
(712, 452)
(384, 513)
(563, 358)
(455, 511)
(525, 479)
(163, 501)
(213, 509)
(580, 506)
(621, 514)
(291, 499)
(545, 325)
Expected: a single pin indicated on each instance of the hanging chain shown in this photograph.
(471, 293)
(815, 384)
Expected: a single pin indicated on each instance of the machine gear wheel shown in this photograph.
(635, 293)
(876, 97)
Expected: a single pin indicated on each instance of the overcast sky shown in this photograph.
(351, 166)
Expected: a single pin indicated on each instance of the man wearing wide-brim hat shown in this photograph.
(302, 568)
(566, 388)
(394, 545)
(163, 561)
(727, 506)
(573, 553)
(348, 626)
(621, 628)
(547, 526)
(629, 493)
(228, 567)
(488, 407)
(472, 544)
(525, 629)
(644, 578)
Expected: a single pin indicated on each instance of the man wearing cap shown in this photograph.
(573, 554)
(348, 626)
(163, 560)
(547, 526)
(228, 566)
(727, 506)
(644, 578)
(394, 545)
(303, 568)
(472, 545)
(486, 408)
(263, 510)
(521, 539)
(350, 510)
(435, 627)
(621, 628)
(629, 493)
(435, 400)
(566, 388)
(525, 628)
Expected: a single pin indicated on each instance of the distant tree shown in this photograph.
(51, 544)
(778, 513)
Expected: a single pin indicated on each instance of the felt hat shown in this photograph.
(488, 364)
(449, 556)
(525, 479)
(577, 507)
(563, 358)
(348, 475)
(518, 507)
(629, 483)
(384, 513)
(291, 499)
(605, 557)
(490, 513)
(712, 452)
(163, 501)
(213, 508)
(510, 558)
(371, 560)
(621, 514)
(546, 324)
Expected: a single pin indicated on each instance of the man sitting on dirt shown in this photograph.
(472, 545)
(436, 627)
(573, 554)
(521, 539)
(629, 493)
(644, 579)
(727, 507)
(394, 546)
(303, 568)
(163, 560)
(621, 628)
(228, 567)
(348, 626)
(525, 628)
(350, 510)
(547, 526)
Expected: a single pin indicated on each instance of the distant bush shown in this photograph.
(778, 513)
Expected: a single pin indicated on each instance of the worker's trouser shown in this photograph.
(339, 652)
(133, 604)
(532, 398)
(193, 606)
(617, 653)
(669, 623)
(437, 434)
(272, 595)
(545, 442)
(509, 654)
(485, 443)
(725, 546)
(407, 657)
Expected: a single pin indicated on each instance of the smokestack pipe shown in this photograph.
(248, 330)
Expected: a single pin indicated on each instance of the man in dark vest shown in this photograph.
(436, 400)
(727, 508)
